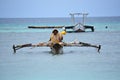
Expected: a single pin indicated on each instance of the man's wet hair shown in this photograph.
(55, 30)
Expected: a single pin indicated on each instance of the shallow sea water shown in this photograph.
(77, 63)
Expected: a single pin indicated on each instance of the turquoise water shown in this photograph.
(77, 63)
(21, 24)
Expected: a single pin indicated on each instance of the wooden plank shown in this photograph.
(44, 27)
(57, 48)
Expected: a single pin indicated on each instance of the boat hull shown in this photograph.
(57, 49)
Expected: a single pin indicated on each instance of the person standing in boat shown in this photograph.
(56, 36)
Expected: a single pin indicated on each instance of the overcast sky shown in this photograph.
(57, 8)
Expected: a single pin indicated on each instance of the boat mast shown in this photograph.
(83, 17)
(73, 19)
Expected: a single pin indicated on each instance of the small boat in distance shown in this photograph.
(79, 27)
(76, 27)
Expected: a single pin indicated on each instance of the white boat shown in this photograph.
(74, 27)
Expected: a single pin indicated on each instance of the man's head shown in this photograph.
(55, 31)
